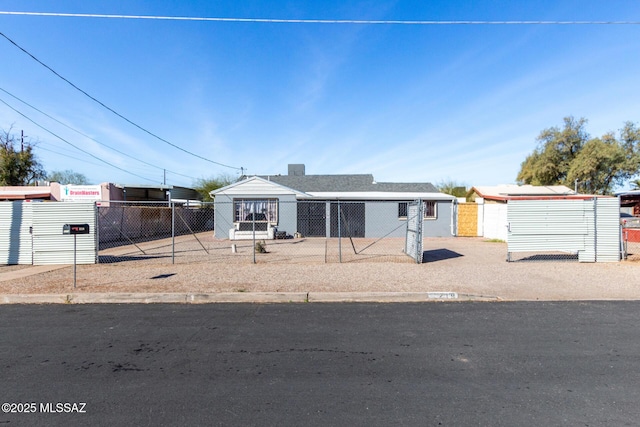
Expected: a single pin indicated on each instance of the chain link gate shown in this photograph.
(413, 240)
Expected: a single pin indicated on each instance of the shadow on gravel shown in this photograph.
(549, 257)
(439, 255)
(163, 276)
(108, 259)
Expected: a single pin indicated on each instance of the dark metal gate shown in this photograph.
(312, 219)
(352, 216)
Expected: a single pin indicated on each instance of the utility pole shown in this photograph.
(22, 141)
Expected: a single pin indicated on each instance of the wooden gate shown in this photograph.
(468, 219)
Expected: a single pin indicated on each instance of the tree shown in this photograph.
(18, 166)
(67, 177)
(550, 162)
(564, 156)
(453, 188)
(599, 165)
(204, 185)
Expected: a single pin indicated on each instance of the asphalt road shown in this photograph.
(321, 364)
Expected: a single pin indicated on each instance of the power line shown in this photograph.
(92, 139)
(111, 109)
(67, 156)
(74, 146)
(40, 147)
(323, 21)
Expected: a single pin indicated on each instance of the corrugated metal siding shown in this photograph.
(50, 246)
(589, 252)
(589, 228)
(608, 230)
(548, 225)
(15, 236)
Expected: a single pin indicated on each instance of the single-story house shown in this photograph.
(493, 201)
(310, 205)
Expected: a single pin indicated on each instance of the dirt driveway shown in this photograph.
(470, 266)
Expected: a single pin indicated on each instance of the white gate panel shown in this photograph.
(15, 233)
(495, 221)
(50, 246)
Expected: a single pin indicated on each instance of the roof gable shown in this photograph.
(253, 186)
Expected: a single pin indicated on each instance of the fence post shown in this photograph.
(97, 231)
(339, 235)
(595, 229)
(173, 232)
(253, 228)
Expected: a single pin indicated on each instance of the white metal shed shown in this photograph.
(589, 228)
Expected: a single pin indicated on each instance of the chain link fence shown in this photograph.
(253, 231)
(150, 230)
(631, 243)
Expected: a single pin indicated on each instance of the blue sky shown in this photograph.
(407, 103)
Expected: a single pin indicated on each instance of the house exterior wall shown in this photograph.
(441, 226)
(224, 212)
(287, 214)
(223, 217)
(111, 192)
(382, 218)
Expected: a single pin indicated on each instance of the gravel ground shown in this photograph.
(469, 266)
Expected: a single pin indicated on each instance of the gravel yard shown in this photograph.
(468, 266)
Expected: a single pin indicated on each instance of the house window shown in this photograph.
(262, 210)
(402, 210)
(429, 209)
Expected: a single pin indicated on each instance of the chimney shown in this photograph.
(296, 169)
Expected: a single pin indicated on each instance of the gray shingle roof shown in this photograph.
(346, 183)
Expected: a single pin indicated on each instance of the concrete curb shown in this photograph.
(240, 297)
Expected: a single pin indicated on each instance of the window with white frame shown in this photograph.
(430, 210)
(262, 210)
